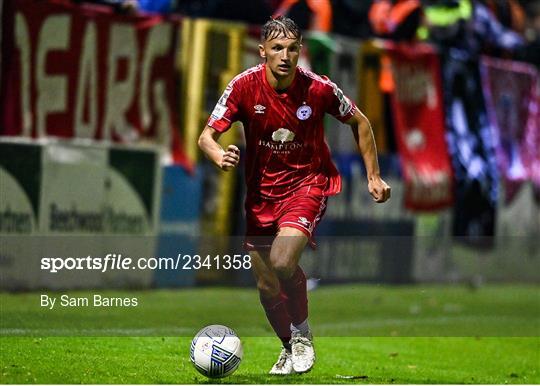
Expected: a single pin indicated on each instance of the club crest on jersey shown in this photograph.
(303, 112)
(259, 109)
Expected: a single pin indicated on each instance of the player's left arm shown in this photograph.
(363, 135)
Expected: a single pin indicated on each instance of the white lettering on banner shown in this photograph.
(118, 77)
(163, 117)
(22, 39)
(120, 93)
(415, 85)
(429, 186)
(155, 46)
(51, 89)
(87, 86)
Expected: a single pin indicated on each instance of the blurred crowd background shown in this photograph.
(102, 103)
(483, 26)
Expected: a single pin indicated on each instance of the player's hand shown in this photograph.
(230, 158)
(379, 190)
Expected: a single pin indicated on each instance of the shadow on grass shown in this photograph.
(326, 379)
(285, 379)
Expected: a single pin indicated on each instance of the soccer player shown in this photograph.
(289, 174)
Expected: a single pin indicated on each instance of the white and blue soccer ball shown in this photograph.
(216, 351)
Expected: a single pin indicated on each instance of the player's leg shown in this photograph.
(272, 299)
(260, 232)
(286, 252)
(284, 257)
(274, 303)
(298, 217)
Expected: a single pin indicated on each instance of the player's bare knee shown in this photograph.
(268, 287)
(283, 269)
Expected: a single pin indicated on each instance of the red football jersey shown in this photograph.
(285, 144)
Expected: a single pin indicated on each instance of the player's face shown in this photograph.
(281, 55)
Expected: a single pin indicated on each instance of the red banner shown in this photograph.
(75, 71)
(512, 102)
(417, 109)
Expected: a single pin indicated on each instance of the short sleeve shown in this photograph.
(339, 105)
(226, 110)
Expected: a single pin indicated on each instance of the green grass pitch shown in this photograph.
(366, 334)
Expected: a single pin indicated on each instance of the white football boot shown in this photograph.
(303, 354)
(284, 365)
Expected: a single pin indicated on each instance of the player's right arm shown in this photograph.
(224, 114)
(223, 159)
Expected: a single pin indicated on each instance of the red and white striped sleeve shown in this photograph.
(339, 105)
(227, 108)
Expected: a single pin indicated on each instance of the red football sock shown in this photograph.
(277, 315)
(295, 289)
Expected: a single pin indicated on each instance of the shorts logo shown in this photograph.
(304, 221)
(303, 112)
(282, 135)
(259, 109)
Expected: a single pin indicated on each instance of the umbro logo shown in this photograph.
(304, 221)
(259, 109)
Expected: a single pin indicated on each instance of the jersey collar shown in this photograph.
(285, 94)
